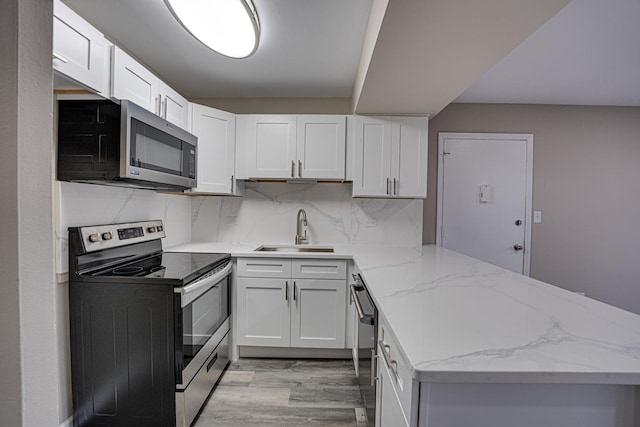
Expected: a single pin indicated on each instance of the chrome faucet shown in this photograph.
(300, 222)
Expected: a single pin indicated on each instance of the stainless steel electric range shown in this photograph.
(149, 328)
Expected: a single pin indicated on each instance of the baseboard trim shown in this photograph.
(294, 353)
(68, 422)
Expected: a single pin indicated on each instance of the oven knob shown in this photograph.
(151, 229)
(107, 236)
(95, 237)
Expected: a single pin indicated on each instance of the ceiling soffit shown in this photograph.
(429, 51)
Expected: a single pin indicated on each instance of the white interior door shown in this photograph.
(484, 191)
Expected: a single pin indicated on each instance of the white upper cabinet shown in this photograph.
(173, 106)
(132, 81)
(79, 49)
(292, 147)
(372, 159)
(216, 132)
(269, 145)
(390, 157)
(321, 147)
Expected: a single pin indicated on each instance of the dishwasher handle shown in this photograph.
(367, 319)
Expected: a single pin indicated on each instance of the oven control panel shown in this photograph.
(100, 237)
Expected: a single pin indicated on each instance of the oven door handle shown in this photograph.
(191, 292)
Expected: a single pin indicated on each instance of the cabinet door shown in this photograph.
(122, 366)
(270, 143)
(263, 312)
(216, 132)
(173, 106)
(372, 163)
(78, 48)
(409, 157)
(132, 81)
(318, 313)
(389, 410)
(321, 147)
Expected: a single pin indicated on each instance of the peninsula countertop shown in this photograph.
(461, 320)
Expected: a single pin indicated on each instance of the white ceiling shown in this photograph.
(308, 48)
(587, 54)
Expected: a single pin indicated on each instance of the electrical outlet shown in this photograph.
(371, 222)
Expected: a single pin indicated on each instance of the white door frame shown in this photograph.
(528, 138)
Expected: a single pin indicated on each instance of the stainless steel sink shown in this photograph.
(285, 248)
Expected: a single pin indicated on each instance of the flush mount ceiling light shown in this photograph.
(230, 27)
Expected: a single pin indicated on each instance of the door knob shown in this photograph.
(518, 247)
(518, 222)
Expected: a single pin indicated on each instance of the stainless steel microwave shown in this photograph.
(104, 142)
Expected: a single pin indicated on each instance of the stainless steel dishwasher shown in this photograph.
(367, 334)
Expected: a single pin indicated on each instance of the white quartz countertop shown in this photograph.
(461, 320)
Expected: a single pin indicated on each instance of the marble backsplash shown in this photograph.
(90, 204)
(267, 214)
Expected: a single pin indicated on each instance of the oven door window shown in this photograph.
(203, 317)
(155, 150)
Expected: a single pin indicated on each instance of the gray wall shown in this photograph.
(28, 353)
(279, 105)
(586, 182)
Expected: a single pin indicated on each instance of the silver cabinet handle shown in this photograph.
(293, 167)
(164, 105)
(388, 191)
(59, 57)
(395, 186)
(300, 168)
(374, 358)
(158, 103)
(286, 290)
(386, 353)
(294, 290)
(231, 184)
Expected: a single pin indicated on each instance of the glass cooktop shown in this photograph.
(167, 265)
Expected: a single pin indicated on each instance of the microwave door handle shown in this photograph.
(190, 292)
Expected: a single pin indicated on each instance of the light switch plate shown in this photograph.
(537, 217)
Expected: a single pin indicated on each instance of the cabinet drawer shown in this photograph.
(264, 267)
(399, 371)
(319, 269)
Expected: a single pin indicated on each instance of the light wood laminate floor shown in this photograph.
(285, 392)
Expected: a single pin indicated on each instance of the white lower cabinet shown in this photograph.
(398, 392)
(318, 313)
(389, 407)
(281, 304)
(263, 312)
